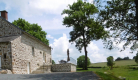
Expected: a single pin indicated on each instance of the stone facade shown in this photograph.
(68, 67)
(7, 29)
(26, 50)
(5, 53)
(20, 52)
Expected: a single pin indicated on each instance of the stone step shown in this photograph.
(37, 72)
(5, 71)
(42, 69)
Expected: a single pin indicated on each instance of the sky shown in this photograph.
(47, 14)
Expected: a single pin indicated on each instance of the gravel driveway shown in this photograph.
(51, 76)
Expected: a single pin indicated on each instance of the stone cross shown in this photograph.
(68, 59)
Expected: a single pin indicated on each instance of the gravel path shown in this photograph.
(51, 76)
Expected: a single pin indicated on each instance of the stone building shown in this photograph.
(21, 52)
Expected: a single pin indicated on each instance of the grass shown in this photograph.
(121, 70)
(117, 63)
(100, 73)
(107, 76)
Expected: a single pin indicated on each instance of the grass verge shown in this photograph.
(100, 73)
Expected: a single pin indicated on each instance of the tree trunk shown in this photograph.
(111, 67)
(85, 58)
(85, 52)
(136, 2)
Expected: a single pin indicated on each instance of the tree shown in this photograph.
(126, 58)
(81, 61)
(136, 58)
(33, 29)
(118, 59)
(121, 18)
(53, 62)
(110, 62)
(85, 28)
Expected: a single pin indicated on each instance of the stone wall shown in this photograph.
(22, 54)
(68, 67)
(5, 53)
(8, 29)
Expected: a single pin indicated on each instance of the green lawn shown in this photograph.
(121, 70)
(117, 63)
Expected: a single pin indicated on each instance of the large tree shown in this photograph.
(33, 29)
(85, 28)
(121, 18)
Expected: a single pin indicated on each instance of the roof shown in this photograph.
(24, 33)
(8, 39)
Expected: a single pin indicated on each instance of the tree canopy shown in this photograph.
(121, 18)
(110, 62)
(85, 28)
(81, 61)
(136, 58)
(53, 62)
(33, 29)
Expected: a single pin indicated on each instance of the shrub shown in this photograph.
(53, 62)
(81, 61)
(110, 63)
(136, 58)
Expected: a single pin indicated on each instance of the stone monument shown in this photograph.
(68, 59)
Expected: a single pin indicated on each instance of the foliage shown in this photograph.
(33, 29)
(136, 58)
(53, 62)
(125, 58)
(110, 62)
(120, 17)
(85, 28)
(118, 59)
(81, 61)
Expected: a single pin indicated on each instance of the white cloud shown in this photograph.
(95, 53)
(61, 45)
(30, 7)
(49, 36)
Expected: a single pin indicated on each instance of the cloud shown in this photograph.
(49, 36)
(95, 53)
(27, 7)
(61, 45)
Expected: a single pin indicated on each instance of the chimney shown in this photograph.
(4, 14)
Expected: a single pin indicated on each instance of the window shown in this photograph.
(33, 51)
(50, 60)
(4, 56)
(44, 57)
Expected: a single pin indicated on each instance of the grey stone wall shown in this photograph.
(5, 53)
(7, 29)
(68, 67)
(22, 54)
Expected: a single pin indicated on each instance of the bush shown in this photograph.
(110, 63)
(81, 61)
(136, 58)
(53, 62)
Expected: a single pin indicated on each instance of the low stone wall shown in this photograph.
(68, 67)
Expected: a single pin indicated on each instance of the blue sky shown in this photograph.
(47, 14)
